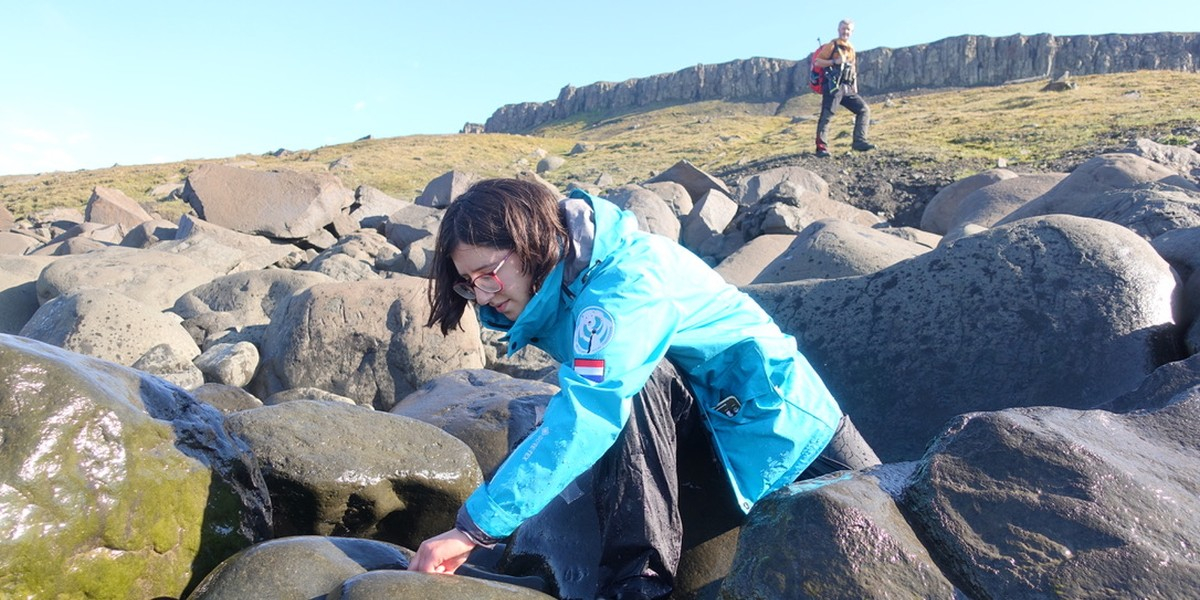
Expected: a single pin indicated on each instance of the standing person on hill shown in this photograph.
(657, 353)
(841, 87)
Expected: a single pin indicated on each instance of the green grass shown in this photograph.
(1019, 123)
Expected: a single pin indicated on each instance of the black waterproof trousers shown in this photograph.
(662, 480)
(845, 96)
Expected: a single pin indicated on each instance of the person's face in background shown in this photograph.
(844, 31)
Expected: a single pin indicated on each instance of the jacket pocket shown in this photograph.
(743, 384)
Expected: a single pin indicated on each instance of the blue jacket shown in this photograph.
(637, 299)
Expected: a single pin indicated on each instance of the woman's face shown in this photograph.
(516, 287)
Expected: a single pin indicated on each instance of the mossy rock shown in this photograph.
(113, 484)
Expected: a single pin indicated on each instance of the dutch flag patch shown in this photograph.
(590, 369)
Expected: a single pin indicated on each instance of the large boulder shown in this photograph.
(653, 213)
(388, 584)
(1171, 383)
(831, 248)
(372, 206)
(411, 224)
(337, 469)
(1076, 194)
(1056, 503)
(226, 398)
(109, 206)
(489, 411)
(747, 262)
(171, 364)
(533, 177)
(674, 194)
(1150, 209)
(550, 163)
(938, 215)
(1182, 160)
(108, 325)
(1051, 311)
(710, 215)
(342, 267)
(530, 362)
(306, 393)
(692, 178)
(227, 251)
(756, 187)
(445, 188)
(985, 206)
(149, 233)
(341, 568)
(57, 219)
(856, 544)
(365, 340)
(242, 302)
(155, 279)
(912, 234)
(114, 484)
(104, 234)
(297, 567)
(356, 256)
(1181, 248)
(284, 204)
(18, 289)
(71, 246)
(789, 208)
(15, 243)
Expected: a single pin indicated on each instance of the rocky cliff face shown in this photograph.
(963, 61)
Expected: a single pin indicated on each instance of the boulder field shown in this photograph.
(246, 403)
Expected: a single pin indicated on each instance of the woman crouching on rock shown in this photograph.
(655, 350)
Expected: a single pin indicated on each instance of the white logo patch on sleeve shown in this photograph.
(593, 331)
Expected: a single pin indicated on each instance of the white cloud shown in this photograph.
(23, 158)
(360, 105)
(27, 150)
(39, 136)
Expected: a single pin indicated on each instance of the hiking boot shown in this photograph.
(862, 146)
(822, 153)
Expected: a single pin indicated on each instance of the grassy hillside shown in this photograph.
(971, 128)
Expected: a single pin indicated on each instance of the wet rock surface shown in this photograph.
(112, 482)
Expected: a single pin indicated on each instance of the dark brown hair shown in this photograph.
(506, 214)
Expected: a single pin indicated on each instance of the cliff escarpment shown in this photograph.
(963, 61)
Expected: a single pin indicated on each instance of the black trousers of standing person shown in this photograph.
(845, 96)
(642, 507)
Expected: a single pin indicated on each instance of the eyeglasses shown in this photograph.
(487, 282)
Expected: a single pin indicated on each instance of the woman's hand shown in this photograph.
(443, 553)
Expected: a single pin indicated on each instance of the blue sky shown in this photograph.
(90, 84)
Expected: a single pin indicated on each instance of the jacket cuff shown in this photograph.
(464, 523)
